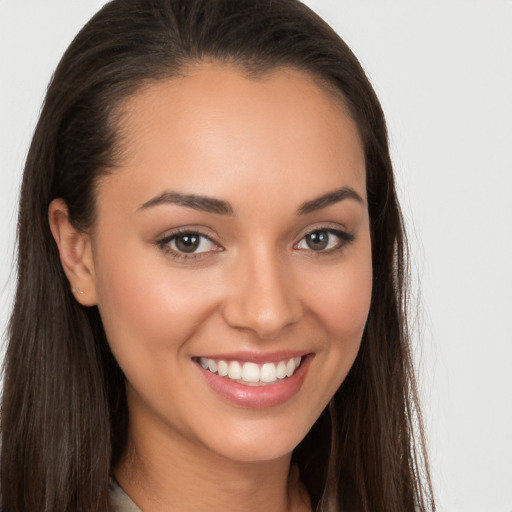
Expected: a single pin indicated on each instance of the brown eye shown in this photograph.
(324, 240)
(188, 242)
(318, 240)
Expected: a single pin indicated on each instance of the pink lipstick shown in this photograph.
(255, 379)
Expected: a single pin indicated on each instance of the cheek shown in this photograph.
(346, 309)
(341, 311)
(147, 308)
(342, 298)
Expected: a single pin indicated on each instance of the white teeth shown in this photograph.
(268, 372)
(281, 370)
(235, 370)
(290, 367)
(251, 373)
(222, 368)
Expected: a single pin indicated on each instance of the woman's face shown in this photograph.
(234, 235)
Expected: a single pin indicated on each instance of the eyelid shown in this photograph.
(346, 237)
(332, 227)
(163, 242)
(189, 229)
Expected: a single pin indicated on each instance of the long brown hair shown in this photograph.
(64, 413)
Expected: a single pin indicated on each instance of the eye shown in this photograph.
(325, 240)
(188, 243)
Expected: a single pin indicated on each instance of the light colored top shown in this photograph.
(120, 500)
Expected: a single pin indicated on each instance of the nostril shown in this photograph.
(266, 323)
(263, 297)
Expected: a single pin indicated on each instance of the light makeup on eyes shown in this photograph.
(324, 240)
(190, 244)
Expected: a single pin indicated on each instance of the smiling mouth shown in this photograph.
(252, 374)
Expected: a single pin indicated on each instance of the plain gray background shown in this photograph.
(443, 71)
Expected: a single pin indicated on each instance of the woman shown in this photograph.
(211, 280)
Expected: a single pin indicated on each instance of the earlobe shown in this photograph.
(75, 253)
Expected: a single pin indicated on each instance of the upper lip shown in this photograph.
(257, 357)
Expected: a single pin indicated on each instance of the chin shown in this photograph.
(258, 443)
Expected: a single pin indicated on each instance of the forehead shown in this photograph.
(214, 126)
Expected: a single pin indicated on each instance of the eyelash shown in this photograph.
(344, 237)
(164, 244)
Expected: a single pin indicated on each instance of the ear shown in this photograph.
(75, 252)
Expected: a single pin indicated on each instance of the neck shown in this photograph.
(172, 473)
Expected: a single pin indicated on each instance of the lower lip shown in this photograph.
(268, 395)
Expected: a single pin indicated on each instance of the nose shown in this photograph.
(264, 296)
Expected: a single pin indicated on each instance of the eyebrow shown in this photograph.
(211, 205)
(329, 199)
(201, 203)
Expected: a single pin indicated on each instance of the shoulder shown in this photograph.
(119, 500)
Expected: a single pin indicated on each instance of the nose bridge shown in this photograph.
(264, 298)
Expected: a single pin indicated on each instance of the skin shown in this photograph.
(266, 146)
